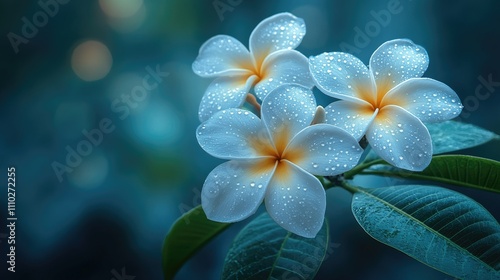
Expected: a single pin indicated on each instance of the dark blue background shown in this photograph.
(114, 209)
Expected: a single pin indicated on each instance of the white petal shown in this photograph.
(282, 31)
(296, 200)
(396, 61)
(352, 117)
(286, 111)
(233, 192)
(324, 150)
(400, 139)
(342, 76)
(233, 134)
(283, 67)
(427, 99)
(224, 93)
(223, 55)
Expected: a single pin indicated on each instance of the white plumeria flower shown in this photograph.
(272, 159)
(388, 102)
(271, 62)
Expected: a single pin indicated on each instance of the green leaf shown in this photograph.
(468, 171)
(264, 250)
(186, 236)
(459, 170)
(452, 136)
(438, 227)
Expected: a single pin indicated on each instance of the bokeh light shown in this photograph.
(159, 126)
(121, 86)
(91, 60)
(120, 8)
(128, 24)
(92, 171)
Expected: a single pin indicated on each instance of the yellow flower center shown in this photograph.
(376, 101)
(255, 69)
(275, 154)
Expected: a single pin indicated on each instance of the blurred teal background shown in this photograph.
(112, 211)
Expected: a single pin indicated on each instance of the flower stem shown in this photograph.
(350, 188)
(360, 168)
(326, 182)
(329, 182)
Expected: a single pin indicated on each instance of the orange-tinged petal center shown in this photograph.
(264, 165)
(382, 89)
(281, 138)
(262, 145)
(276, 154)
(255, 67)
(366, 94)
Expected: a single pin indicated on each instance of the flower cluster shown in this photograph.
(271, 62)
(273, 159)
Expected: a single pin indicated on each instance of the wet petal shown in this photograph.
(286, 111)
(224, 93)
(324, 150)
(282, 31)
(342, 76)
(232, 191)
(222, 55)
(283, 67)
(296, 200)
(427, 99)
(233, 134)
(400, 139)
(350, 116)
(397, 61)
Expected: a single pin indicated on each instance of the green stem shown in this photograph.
(327, 184)
(339, 180)
(358, 169)
(350, 188)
